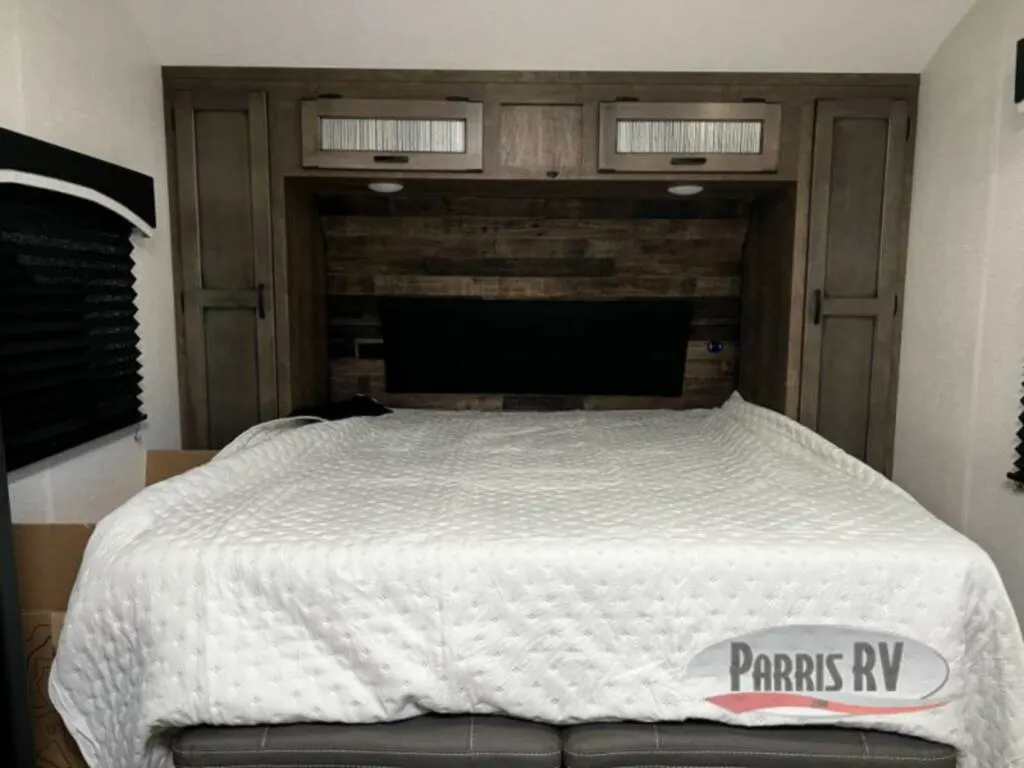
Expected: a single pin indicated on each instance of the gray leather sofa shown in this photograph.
(500, 742)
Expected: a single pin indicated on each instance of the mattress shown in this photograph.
(562, 567)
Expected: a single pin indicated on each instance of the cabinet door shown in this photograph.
(223, 207)
(653, 137)
(540, 140)
(392, 134)
(855, 275)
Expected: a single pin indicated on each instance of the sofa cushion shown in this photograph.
(421, 742)
(699, 744)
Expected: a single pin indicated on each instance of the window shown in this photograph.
(69, 358)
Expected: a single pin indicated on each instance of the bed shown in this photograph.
(560, 568)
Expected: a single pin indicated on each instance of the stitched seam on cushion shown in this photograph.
(704, 765)
(328, 751)
(657, 737)
(340, 765)
(263, 738)
(471, 734)
(303, 765)
(716, 753)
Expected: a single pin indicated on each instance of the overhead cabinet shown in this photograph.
(540, 140)
(392, 134)
(655, 137)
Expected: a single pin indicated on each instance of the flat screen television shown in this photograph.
(15, 724)
(535, 347)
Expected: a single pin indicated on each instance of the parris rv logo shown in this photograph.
(821, 671)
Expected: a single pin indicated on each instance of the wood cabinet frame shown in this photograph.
(766, 161)
(287, 91)
(313, 110)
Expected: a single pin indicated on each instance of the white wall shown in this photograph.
(661, 35)
(10, 66)
(78, 73)
(963, 338)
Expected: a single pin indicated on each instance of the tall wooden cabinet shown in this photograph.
(225, 265)
(855, 266)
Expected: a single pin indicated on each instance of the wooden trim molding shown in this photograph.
(274, 75)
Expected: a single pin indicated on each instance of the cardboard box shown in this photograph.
(55, 747)
(161, 465)
(48, 557)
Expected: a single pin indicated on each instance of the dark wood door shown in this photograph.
(224, 247)
(855, 275)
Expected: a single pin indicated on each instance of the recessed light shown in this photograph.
(685, 190)
(386, 187)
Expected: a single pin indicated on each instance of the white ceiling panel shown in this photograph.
(670, 35)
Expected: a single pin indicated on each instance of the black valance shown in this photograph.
(31, 162)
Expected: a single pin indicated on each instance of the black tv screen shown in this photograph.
(545, 347)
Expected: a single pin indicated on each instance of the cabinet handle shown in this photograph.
(261, 301)
(391, 159)
(689, 161)
(817, 307)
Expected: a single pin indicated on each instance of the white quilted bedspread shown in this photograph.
(560, 567)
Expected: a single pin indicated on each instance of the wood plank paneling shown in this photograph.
(450, 201)
(592, 288)
(496, 253)
(511, 267)
(728, 230)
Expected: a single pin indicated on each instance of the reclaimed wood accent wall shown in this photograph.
(552, 248)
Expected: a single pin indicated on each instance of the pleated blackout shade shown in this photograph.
(1017, 475)
(69, 357)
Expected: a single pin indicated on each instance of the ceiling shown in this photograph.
(660, 35)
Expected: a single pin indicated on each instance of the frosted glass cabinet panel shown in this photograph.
(391, 134)
(660, 137)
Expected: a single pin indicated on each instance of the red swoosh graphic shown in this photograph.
(737, 703)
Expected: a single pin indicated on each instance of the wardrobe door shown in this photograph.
(224, 248)
(855, 275)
